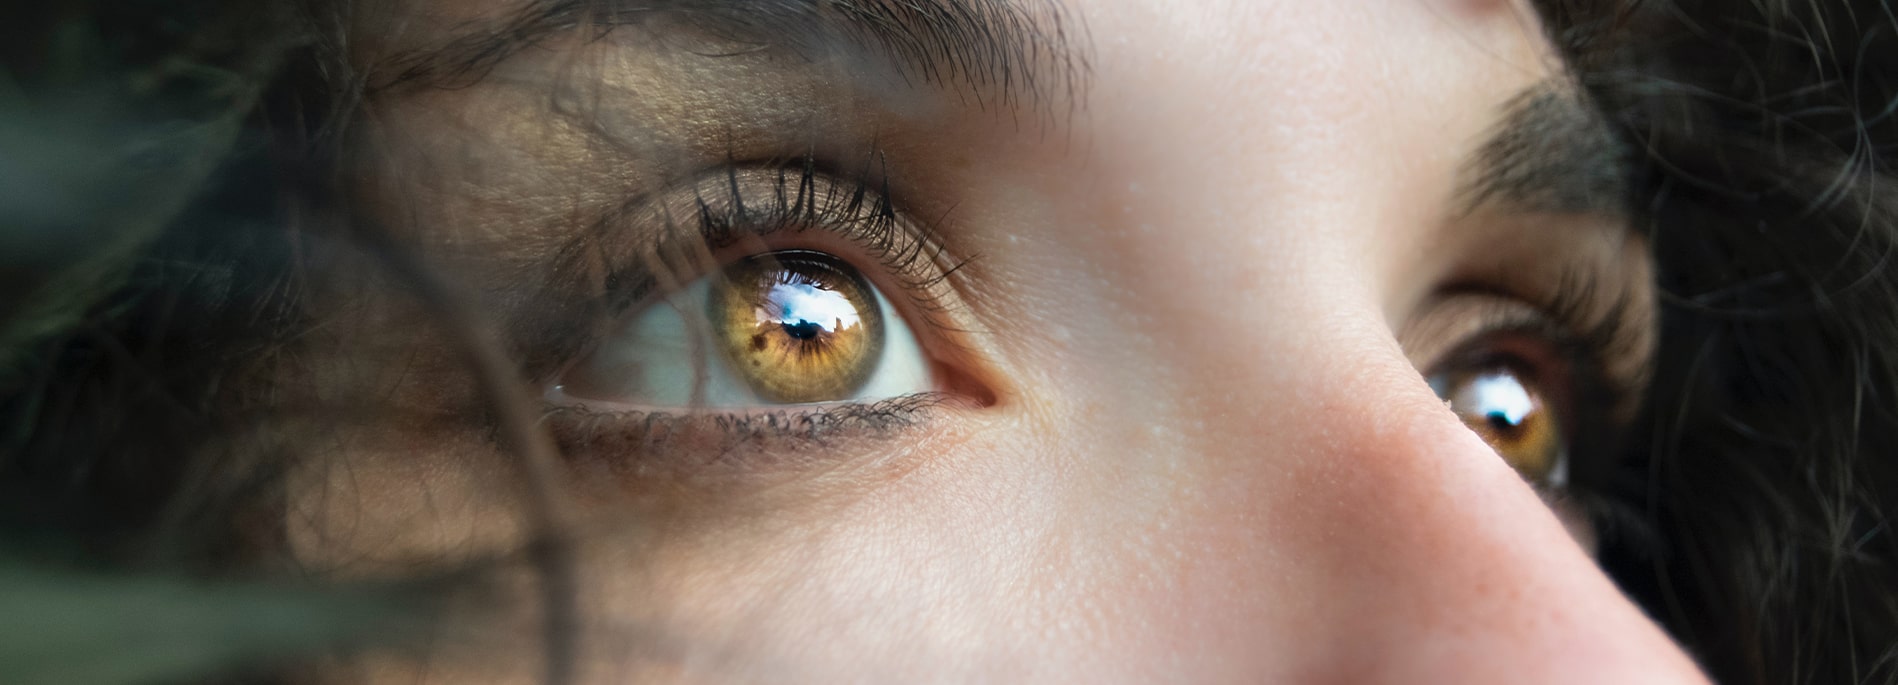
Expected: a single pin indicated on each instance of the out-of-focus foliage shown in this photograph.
(62, 627)
(116, 120)
(104, 141)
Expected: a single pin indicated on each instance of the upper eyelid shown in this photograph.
(1591, 272)
(1482, 313)
(737, 204)
(1597, 317)
(640, 249)
(1560, 318)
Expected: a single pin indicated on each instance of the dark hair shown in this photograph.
(139, 339)
(1765, 469)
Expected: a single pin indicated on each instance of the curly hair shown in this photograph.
(1768, 473)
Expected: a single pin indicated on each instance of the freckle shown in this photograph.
(757, 342)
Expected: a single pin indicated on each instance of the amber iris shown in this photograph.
(1511, 415)
(798, 326)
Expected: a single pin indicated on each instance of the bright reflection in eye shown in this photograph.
(804, 307)
(1513, 416)
(779, 328)
(1501, 399)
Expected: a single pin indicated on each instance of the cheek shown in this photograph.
(1237, 523)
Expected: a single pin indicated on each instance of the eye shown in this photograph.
(786, 327)
(1513, 413)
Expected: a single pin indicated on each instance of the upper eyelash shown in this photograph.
(1611, 336)
(856, 207)
(648, 245)
(1568, 319)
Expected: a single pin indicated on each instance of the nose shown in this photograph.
(1369, 528)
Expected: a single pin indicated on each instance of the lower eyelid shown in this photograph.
(742, 445)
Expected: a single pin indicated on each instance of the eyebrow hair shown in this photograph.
(1550, 152)
(1006, 48)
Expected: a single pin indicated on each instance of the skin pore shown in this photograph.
(1181, 279)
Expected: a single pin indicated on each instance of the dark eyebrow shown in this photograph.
(1551, 152)
(1006, 48)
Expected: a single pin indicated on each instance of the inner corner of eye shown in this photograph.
(784, 327)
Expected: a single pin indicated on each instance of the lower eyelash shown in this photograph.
(743, 441)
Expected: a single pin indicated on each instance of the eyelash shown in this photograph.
(723, 209)
(1567, 321)
(713, 438)
(803, 197)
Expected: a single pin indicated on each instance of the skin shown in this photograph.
(1204, 453)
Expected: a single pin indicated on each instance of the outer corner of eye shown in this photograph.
(778, 328)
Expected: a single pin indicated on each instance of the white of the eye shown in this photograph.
(654, 355)
(901, 370)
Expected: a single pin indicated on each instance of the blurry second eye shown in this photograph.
(1512, 415)
(783, 327)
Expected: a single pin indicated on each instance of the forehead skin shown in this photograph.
(1211, 460)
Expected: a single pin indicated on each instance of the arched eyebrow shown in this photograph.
(1551, 152)
(1017, 50)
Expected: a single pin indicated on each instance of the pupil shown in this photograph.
(802, 330)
